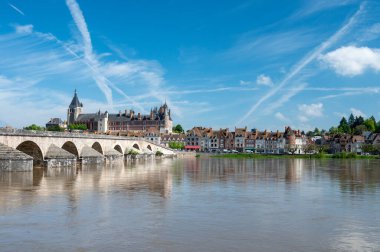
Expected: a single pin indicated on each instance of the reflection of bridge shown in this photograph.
(37, 144)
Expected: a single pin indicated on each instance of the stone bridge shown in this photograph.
(38, 143)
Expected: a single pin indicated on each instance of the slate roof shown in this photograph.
(75, 102)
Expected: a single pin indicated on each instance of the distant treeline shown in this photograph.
(355, 125)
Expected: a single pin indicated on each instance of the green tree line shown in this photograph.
(355, 125)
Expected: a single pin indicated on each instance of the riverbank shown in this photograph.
(305, 156)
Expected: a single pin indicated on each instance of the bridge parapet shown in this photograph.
(22, 132)
(37, 143)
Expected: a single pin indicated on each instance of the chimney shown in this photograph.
(126, 112)
(130, 114)
(119, 113)
(151, 115)
(139, 116)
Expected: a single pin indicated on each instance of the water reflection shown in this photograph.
(196, 204)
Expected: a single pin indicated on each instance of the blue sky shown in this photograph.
(261, 64)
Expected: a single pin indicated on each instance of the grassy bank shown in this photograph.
(306, 156)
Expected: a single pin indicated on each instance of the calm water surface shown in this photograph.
(194, 205)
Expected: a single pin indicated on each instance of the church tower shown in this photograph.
(75, 109)
(168, 123)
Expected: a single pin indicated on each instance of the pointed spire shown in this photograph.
(75, 102)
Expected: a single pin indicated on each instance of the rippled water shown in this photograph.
(194, 205)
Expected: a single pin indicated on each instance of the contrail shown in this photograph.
(305, 61)
(16, 9)
(80, 22)
(90, 58)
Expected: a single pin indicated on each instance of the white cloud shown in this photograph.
(24, 29)
(357, 112)
(340, 115)
(370, 33)
(312, 110)
(322, 5)
(245, 83)
(264, 80)
(352, 61)
(303, 119)
(280, 117)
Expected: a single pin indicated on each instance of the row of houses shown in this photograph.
(241, 140)
(269, 142)
(348, 143)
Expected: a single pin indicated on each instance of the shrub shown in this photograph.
(79, 126)
(352, 155)
(34, 127)
(55, 128)
(132, 153)
(320, 155)
(159, 153)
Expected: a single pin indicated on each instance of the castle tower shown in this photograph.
(75, 109)
(167, 119)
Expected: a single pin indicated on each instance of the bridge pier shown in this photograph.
(57, 157)
(14, 160)
(112, 155)
(91, 156)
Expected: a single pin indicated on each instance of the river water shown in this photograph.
(204, 204)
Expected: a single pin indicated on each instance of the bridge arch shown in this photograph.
(96, 146)
(136, 146)
(118, 148)
(71, 147)
(32, 149)
(149, 147)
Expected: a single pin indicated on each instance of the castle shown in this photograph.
(158, 119)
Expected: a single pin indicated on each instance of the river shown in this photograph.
(194, 204)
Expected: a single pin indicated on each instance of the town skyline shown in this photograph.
(255, 64)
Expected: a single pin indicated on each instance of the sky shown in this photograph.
(261, 64)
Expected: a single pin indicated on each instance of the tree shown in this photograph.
(370, 124)
(34, 127)
(178, 129)
(316, 132)
(78, 126)
(292, 148)
(358, 121)
(344, 126)
(323, 148)
(376, 148)
(55, 128)
(176, 145)
(333, 130)
(351, 121)
(309, 147)
(368, 148)
(310, 133)
(373, 119)
(358, 130)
